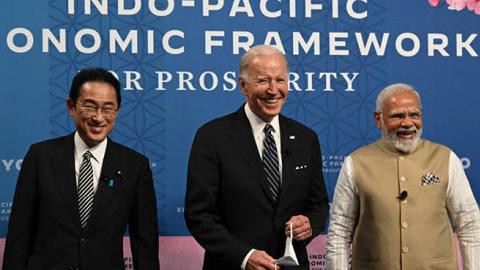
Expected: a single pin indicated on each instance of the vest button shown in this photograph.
(404, 201)
(401, 157)
(403, 179)
(404, 225)
(405, 249)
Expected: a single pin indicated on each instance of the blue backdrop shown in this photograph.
(177, 62)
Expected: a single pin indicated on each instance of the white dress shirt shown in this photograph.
(460, 203)
(257, 125)
(98, 152)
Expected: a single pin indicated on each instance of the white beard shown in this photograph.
(402, 145)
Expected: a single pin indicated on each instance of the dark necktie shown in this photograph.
(85, 188)
(270, 162)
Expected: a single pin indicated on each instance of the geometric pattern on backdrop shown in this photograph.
(342, 120)
(141, 123)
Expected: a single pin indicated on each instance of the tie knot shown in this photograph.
(268, 129)
(87, 155)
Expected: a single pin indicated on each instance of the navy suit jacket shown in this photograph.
(228, 208)
(44, 229)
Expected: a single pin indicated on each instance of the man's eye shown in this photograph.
(107, 110)
(397, 116)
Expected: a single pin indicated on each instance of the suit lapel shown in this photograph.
(242, 136)
(287, 138)
(104, 194)
(64, 170)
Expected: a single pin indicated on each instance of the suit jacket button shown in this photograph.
(82, 240)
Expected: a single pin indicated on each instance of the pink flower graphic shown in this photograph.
(472, 5)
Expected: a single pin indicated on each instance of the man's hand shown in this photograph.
(300, 226)
(260, 260)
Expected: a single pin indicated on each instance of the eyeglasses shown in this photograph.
(108, 111)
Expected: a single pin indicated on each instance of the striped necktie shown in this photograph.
(270, 162)
(85, 189)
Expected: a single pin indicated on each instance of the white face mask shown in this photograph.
(289, 257)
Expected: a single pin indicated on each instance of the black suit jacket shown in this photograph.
(44, 231)
(227, 206)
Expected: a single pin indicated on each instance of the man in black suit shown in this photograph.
(254, 172)
(76, 194)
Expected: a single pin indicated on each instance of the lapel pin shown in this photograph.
(110, 183)
(292, 137)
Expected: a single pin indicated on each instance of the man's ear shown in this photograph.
(378, 119)
(243, 86)
(70, 106)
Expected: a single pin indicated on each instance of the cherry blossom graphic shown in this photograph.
(458, 5)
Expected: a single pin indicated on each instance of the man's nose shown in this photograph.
(407, 121)
(98, 115)
(273, 87)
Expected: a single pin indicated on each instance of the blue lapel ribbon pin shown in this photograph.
(111, 182)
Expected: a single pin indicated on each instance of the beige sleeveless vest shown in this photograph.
(410, 234)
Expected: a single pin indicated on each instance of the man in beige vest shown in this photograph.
(397, 199)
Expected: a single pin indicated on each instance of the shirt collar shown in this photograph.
(98, 151)
(258, 124)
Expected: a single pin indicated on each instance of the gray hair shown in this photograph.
(390, 91)
(249, 57)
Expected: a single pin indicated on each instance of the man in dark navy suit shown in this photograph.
(76, 194)
(254, 173)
